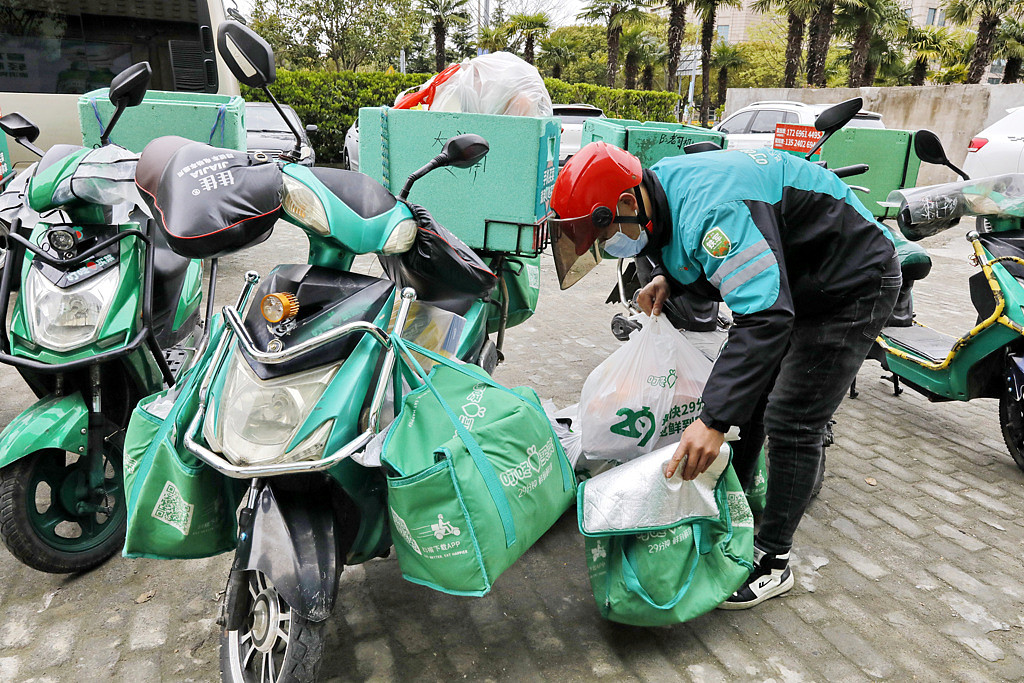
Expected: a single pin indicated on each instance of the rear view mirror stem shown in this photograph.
(296, 153)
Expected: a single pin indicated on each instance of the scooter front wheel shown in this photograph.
(273, 644)
(1011, 421)
(52, 520)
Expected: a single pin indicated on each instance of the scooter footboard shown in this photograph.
(298, 538)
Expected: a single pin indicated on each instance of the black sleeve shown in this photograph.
(756, 344)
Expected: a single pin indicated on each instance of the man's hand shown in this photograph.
(700, 445)
(653, 295)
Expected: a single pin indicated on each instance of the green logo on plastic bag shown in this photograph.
(636, 424)
(716, 243)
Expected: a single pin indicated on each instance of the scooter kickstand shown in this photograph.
(853, 389)
(895, 379)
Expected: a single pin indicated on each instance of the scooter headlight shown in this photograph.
(401, 238)
(302, 204)
(258, 419)
(64, 319)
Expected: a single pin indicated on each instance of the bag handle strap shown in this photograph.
(629, 572)
(483, 465)
(568, 477)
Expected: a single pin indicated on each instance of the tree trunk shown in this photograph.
(647, 80)
(920, 71)
(439, 40)
(630, 71)
(613, 53)
(723, 84)
(981, 56)
(1011, 74)
(528, 49)
(676, 28)
(820, 35)
(870, 69)
(794, 48)
(707, 34)
(859, 56)
(556, 70)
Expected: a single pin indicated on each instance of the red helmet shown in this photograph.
(587, 191)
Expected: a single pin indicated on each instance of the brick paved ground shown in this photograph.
(918, 576)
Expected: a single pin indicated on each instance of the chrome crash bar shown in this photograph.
(235, 326)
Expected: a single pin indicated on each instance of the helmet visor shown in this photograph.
(570, 265)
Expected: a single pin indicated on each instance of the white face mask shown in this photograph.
(621, 245)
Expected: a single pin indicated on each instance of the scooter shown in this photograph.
(988, 360)
(106, 315)
(298, 384)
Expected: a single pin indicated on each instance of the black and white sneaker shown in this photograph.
(771, 577)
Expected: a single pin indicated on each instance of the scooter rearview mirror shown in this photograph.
(928, 149)
(834, 118)
(22, 130)
(462, 151)
(249, 58)
(129, 87)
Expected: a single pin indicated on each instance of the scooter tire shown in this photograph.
(303, 649)
(23, 538)
(1011, 423)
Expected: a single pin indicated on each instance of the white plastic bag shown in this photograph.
(644, 395)
(495, 83)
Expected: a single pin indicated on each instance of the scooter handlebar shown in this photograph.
(847, 171)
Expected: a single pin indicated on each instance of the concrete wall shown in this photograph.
(956, 113)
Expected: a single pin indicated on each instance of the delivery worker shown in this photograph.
(808, 274)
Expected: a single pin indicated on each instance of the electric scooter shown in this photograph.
(105, 315)
(299, 382)
(988, 360)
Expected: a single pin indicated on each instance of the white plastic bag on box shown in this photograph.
(644, 395)
(495, 83)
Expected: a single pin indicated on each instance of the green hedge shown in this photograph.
(641, 105)
(332, 101)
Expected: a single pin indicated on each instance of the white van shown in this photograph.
(52, 52)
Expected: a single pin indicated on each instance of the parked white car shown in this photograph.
(754, 125)
(999, 148)
(350, 152)
(573, 117)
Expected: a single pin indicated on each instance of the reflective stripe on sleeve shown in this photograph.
(739, 260)
(755, 267)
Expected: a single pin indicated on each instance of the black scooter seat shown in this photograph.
(921, 341)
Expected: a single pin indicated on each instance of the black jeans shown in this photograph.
(825, 352)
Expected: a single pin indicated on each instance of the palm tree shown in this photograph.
(988, 14)
(635, 44)
(530, 27)
(653, 54)
(614, 13)
(1011, 48)
(442, 14)
(727, 57)
(707, 10)
(819, 35)
(797, 13)
(861, 20)
(676, 30)
(492, 39)
(556, 53)
(926, 43)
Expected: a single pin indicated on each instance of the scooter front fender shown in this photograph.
(51, 422)
(293, 540)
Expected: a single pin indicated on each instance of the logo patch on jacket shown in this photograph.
(716, 243)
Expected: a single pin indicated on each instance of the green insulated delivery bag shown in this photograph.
(520, 278)
(663, 551)
(178, 506)
(475, 475)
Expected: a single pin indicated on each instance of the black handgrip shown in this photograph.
(847, 171)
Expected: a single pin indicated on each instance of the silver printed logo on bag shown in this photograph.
(403, 531)
(739, 511)
(172, 508)
(538, 461)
